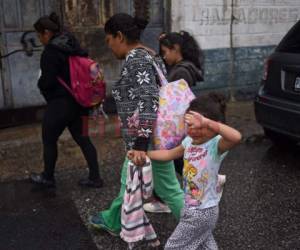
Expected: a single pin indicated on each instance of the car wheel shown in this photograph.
(278, 139)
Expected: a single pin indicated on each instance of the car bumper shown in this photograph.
(278, 115)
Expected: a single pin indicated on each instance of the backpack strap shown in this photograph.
(163, 80)
(65, 85)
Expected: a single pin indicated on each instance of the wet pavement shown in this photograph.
(259, 209)
(40, 220)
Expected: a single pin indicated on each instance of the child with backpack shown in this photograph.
(184, 60)
(204, 148)
(183, 55)
(65, 107)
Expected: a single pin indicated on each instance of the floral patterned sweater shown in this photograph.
(137, 95)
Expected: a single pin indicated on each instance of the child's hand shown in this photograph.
(195, 120)
(198, 121)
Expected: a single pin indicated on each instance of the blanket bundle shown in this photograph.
(135, 224)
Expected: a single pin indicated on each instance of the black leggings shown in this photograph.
(59, 114)
(178, 163)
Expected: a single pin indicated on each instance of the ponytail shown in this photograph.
(140, 23)
(191, 51)
(130, 27)
(55, 19)
(189, 48)
(50, 22)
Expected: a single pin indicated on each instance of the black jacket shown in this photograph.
(185, 70)
(54, 62)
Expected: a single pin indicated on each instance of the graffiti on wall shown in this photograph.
(244, 23)
(243, 15)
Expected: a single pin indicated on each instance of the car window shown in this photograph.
(291, 41)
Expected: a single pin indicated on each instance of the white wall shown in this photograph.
(257, 23)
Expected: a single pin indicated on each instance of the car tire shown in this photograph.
(279, 139)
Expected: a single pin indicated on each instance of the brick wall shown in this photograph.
(235, 49)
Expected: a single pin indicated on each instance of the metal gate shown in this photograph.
(19, 71)
(86, 18)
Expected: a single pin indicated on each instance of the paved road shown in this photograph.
(260, 208)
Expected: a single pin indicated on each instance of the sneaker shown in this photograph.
(98, 183)
(156, 207)
(221, 183)
(40, 180)
(97, 223)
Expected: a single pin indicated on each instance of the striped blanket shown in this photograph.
(135, 224)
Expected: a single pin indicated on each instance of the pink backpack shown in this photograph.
(87, 84)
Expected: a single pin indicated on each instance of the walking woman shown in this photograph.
(136, 95)
(62, 111)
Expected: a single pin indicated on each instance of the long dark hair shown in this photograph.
(189, 48)
(130, 27)
(50, 22)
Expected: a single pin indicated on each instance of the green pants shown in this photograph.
(166, 186)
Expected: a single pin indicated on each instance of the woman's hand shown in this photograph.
(137, 157)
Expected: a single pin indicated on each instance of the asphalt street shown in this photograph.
(260, 207)
(260, 204)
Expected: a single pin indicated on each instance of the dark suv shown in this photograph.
(277, 104)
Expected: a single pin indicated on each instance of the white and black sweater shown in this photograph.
(137, 95)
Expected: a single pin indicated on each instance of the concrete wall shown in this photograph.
(237, 35)
(86, 18)
(19, 71)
